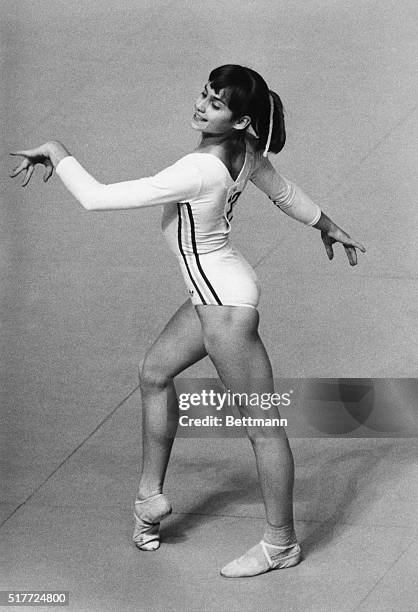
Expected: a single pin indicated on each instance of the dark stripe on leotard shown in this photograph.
(183, 254)
(232, 202)
(193, 236)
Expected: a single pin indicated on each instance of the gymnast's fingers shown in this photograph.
(29, 173)
(22, 166)
(357, 245)
(351, 254)
(328, 245)
(27, 153)
(48, 172)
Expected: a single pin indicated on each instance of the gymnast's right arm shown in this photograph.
(177, 183)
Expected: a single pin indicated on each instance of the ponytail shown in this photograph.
(273, 137)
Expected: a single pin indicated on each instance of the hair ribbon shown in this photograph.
(266, 150)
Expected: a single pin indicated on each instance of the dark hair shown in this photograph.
(247, 93)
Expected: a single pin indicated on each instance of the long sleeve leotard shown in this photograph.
(198, 196)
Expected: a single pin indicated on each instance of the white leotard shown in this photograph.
(198, 195)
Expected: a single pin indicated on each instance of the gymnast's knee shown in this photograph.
(152, 374)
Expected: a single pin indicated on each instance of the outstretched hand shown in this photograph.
(39, 155)
(338, 235)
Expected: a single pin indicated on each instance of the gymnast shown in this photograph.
(240, 120)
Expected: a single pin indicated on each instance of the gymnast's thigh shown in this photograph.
(179, 345)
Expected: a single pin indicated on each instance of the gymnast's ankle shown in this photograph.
(283, 535)
(146, 493)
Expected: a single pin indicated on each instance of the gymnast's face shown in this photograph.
(212, 114)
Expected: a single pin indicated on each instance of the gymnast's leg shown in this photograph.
(232, 342)
(179, 346)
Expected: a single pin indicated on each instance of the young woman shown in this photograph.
(239, 120)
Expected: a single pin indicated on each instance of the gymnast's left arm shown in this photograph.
(296, 204)
(173, 184)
